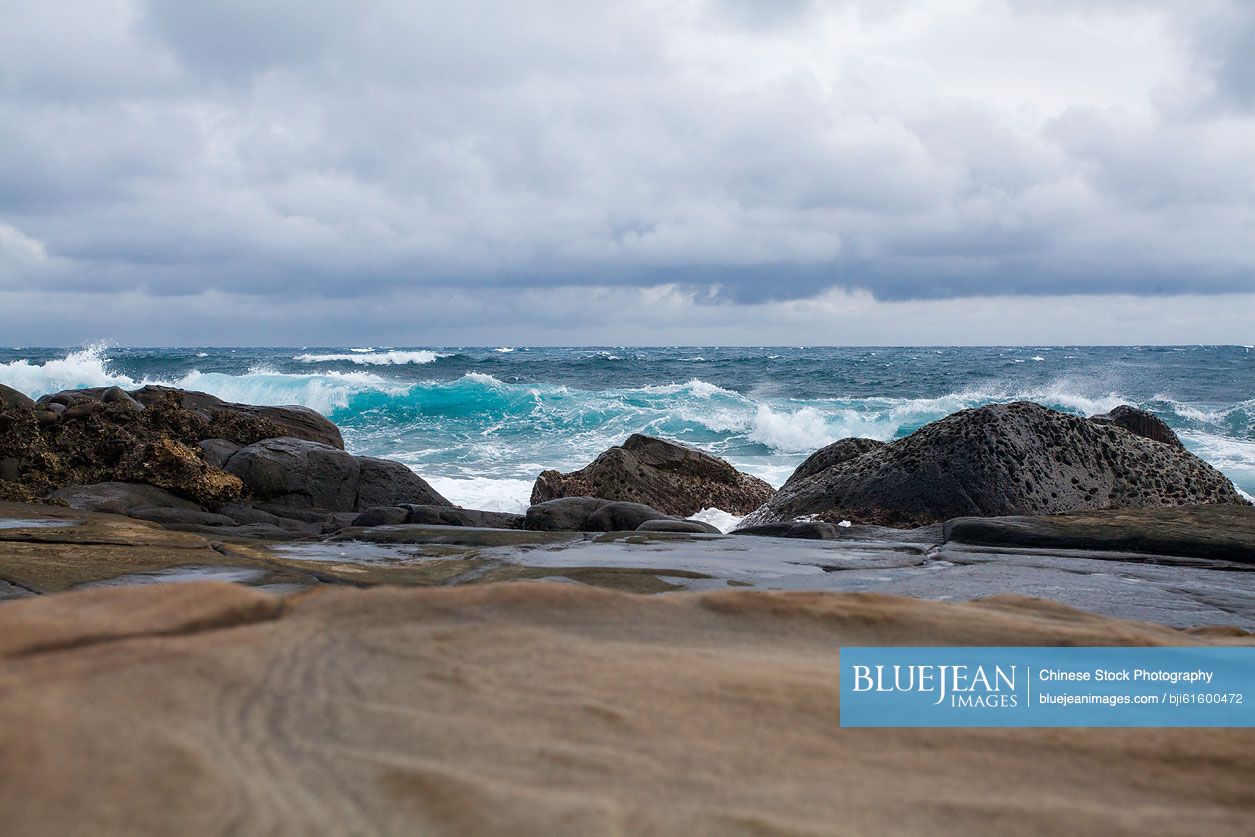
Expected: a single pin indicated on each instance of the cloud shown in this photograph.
(742, 152)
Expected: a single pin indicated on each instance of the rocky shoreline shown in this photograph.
(376, 666)
(160, 484)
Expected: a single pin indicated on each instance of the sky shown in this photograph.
(280, 172)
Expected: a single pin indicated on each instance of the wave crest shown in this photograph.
(368, 357)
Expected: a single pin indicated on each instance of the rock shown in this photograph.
(303, 474)
(672, 478)
(807, 530)
(588, 514)
(290, 421)
(120, 498)
(216, 452)
(1222, 532)
(834, 454)
(566, 514)
(11, 398)
(295, 472)
(384, 482)
(250, 531)
(1002, 459)
(445, 516)
(169, 464)
(245, 514)
(167, 516)
(1140, 422)
(117, 395)
(382, 516)
(84, 437)
(618, 516)
(685, 526)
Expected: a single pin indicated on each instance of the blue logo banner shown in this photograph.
(1047, 687)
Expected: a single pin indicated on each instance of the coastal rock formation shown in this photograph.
(437, 515)
(293, 420)
(1141, 423)
(814, 530)
(673, 478)
(153, 435)
(1002, 459)
(304, 474)
(589, 514)
(554, 709)
(834, 454)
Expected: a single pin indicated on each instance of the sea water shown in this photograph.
(480, 423)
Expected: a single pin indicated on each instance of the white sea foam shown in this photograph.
(720, 519)
(84, 368)
(504, 349)
(485, 493)
(368, 357)
(801, 431)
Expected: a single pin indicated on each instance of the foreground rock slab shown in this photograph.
(552, 709)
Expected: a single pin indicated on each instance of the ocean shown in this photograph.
(480, 423)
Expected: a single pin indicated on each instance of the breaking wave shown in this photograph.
(481, 438)
(368, 357)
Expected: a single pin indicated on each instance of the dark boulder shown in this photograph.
(446, 516)
(120, 498)
(1002, 459)
(384, 482)
(813, 530)
(670, 477)
(834, 454)
(216, 452)
(1140, 422)
(618, 516)
(303, 474)
(11, 398)
(382, 516)
(588, 514)
(694, 527)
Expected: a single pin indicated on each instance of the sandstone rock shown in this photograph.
(1002, 459)
(673, 478)
(1144, 424)
(296, 472)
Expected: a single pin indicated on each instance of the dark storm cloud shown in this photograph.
(738, 151)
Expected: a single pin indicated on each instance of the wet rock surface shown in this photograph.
(673, 478)
(1003, 459)
(1183, 590)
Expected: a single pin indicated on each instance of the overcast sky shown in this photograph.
(658, 172)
